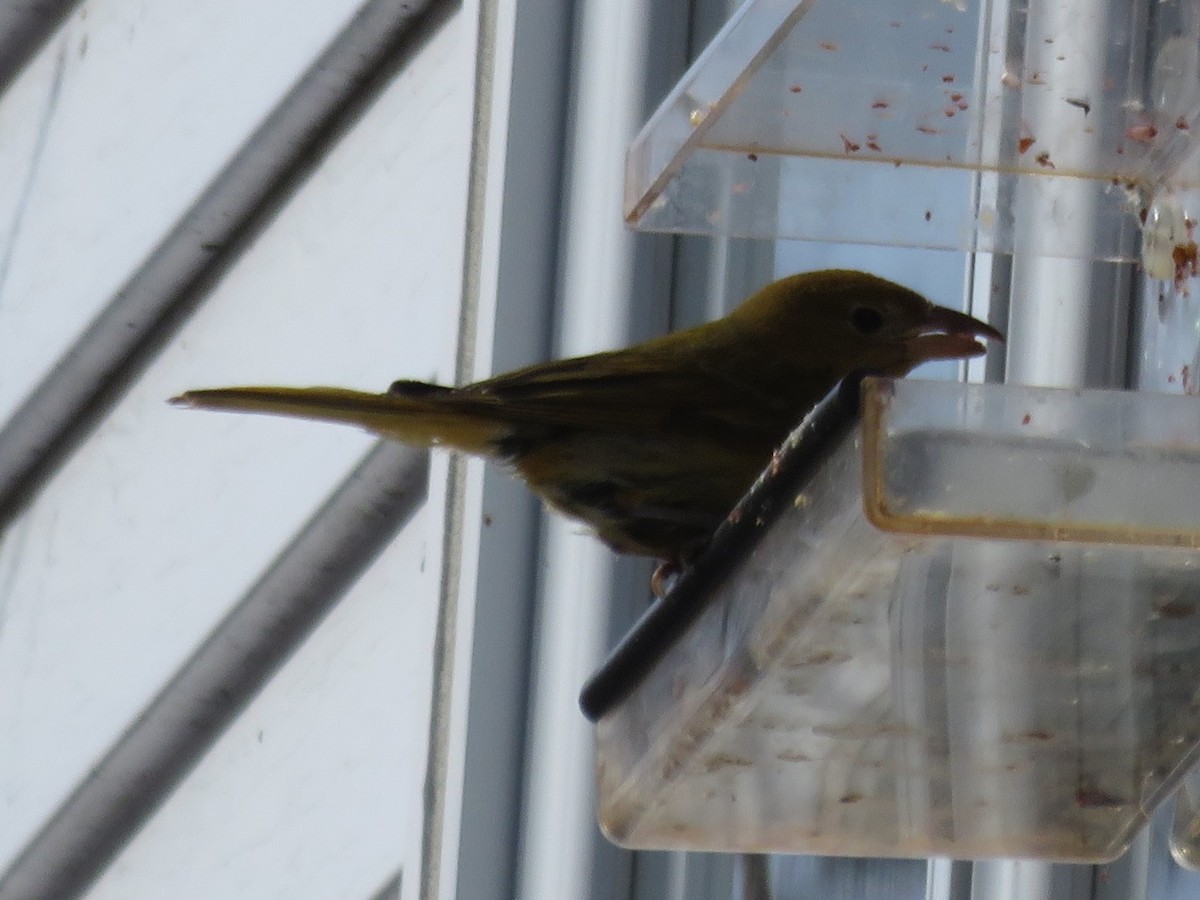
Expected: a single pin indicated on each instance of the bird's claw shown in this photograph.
(664, 577)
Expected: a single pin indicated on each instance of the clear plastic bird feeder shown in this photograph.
(850, 685)
(968, 623)
(798, 117)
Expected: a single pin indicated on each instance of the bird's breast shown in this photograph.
(658, 495)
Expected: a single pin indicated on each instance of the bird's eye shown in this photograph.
(866, 319)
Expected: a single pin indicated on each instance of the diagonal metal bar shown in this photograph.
(94, 373)
(164, 743)
(24, 27)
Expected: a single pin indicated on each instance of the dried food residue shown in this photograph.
(1143, 133)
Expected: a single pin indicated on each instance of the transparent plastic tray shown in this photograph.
(926, 123)
(1014, 672)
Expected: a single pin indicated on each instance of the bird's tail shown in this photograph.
(412, 412)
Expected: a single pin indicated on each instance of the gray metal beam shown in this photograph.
(25, 25)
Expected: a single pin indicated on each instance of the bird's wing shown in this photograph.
(622, 390)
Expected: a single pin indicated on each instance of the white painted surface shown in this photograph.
(164, 517)
(315, 792)
(111, 133)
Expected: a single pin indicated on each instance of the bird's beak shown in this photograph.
(950, 334)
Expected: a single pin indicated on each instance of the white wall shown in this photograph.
(163, 518)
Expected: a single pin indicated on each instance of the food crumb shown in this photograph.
(1187, 265)
(1175, 609)
(776, 464)
(1143, 134)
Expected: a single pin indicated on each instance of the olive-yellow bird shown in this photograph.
(653, 445)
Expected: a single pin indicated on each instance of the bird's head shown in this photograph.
(851, 320)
